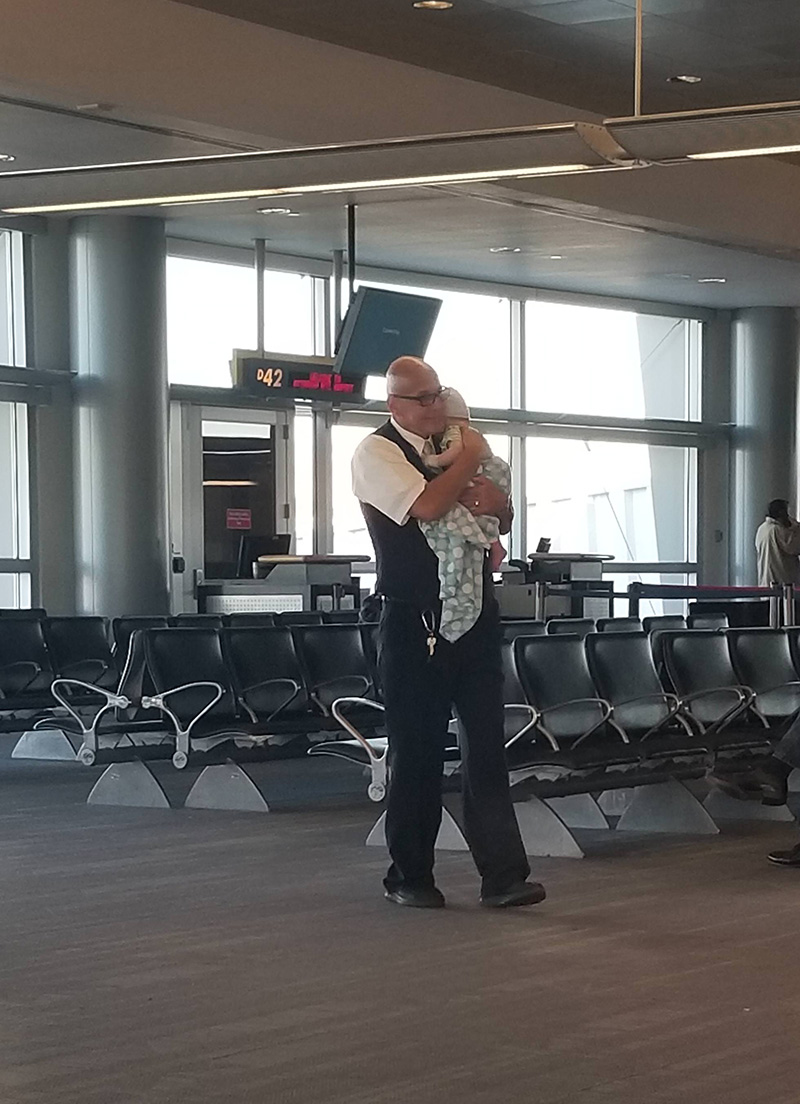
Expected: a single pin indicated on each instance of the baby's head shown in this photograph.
(456, 409)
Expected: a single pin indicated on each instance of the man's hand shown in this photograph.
(484, 497)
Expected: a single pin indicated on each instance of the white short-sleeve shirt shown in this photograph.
(383, 477)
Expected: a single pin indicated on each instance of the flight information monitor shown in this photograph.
(382, 325)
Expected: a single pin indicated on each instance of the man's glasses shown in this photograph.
(428, 398)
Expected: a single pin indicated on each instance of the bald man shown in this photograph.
(424, 676)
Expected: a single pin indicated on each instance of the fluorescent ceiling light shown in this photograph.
(712, 280)
(229, 482)
(760, 151)
(7, 157)
(309, 189)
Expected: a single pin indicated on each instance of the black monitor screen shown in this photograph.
(382, 325)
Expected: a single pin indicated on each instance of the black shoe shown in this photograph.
(785, 858)
(521, 893)
(743, 789)
(760, 785)
(416, 898)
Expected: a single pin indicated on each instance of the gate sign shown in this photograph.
(238, 519)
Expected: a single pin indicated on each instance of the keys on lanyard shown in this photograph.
(429, 621)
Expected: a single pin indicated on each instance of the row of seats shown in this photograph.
(214, 685)
(598, 709)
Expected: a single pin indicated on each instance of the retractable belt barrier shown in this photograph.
(780, 597)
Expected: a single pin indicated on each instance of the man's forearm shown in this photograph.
(442, 493)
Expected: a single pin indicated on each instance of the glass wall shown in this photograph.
(591, 360)
(587, 490)
(634, 502)
(211, 310)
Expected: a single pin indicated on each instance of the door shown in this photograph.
(231, 493)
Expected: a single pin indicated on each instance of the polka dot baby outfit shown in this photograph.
(460, 542)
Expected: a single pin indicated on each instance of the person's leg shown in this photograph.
(489, 821)
(769, 782)
(416, 696)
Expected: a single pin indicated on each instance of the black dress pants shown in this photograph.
(419, 691)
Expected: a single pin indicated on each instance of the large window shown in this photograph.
(589, 360)
(15, 529)
(634, 502)
(349, 527)
(211, 310)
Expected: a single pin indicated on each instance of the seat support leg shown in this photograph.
(47, 743)
(579, 811)
(543, 831)
(450, 837)
(226, 786)
(129, 784)
(666, 807)
(615, 802)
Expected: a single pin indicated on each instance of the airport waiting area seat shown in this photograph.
(585, 715)
(571, 626)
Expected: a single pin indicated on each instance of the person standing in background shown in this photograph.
(778, 546)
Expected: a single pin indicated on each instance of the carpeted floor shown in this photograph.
(157, 957)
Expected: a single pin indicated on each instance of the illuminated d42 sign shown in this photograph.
(283, 378)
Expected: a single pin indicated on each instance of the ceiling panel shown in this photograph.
(454, 236)
(592, 41)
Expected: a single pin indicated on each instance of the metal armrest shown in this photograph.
(83, 665)
(744, 695)
(606, 718)
(366, 685)
(20, 665)
(159, 701)
(529, 724)
(671, 701)
(89, 734)
(293, 687)
(377, 762)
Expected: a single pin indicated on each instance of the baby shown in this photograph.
(459, 539)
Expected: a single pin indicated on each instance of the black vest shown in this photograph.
(407, 566)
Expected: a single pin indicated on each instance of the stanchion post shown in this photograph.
(788, 604)
(633, 599)
(775, 609)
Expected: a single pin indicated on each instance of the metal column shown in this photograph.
(118, 314)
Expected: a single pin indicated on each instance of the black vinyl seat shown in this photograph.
(341, 617)
(570, 626)
(194, 689)
(763, 660)
(570, 714)
(81, 650)
(623, 671)
(667, 621)
(263, 620)
(268, 676)
(618, 624)
(123, 628)
(36, 613)
(299, 617)
(197, 621)
(512, 629)
(655, 627)
(26, 669)
(700, 670)
(707, 621)
(334, 661)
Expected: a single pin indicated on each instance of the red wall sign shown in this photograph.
(238, 519)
